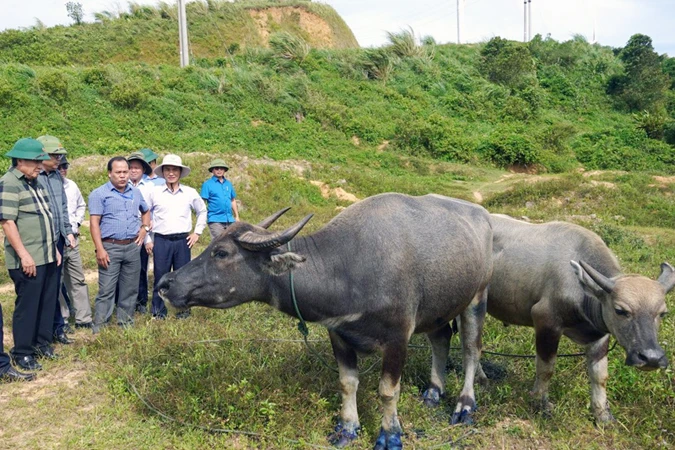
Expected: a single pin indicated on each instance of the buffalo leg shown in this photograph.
(440, 345)
(596, 365)
(393, 358)
(348, 427)
(547, 339)
(471, 329)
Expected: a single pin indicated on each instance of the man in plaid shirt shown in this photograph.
(30, 253)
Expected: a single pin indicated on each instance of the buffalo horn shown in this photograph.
(667, 279)
(257, 241)
(605, 283)
(273, 218)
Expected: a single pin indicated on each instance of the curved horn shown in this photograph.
(253, 241)
(607, 284)
(273, 218)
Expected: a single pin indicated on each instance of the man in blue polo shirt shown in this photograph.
(118, 233)
(220, 196)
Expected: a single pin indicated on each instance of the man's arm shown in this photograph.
(70, 240)
(102, 257)
(81, 206)
(142, 232)
(199, 208)
(235, 210)
(12, 234)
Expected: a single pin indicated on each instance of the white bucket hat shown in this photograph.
(172, 160)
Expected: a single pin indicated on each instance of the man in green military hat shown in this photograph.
(52, 182)
(220, 196)
(151, 158)
(31, 257)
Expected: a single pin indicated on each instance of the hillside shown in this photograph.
(149, 34)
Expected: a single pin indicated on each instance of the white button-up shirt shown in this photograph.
(172, 211)
(76, 204)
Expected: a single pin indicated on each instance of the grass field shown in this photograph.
(242, 378)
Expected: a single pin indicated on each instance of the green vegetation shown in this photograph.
(405, 117)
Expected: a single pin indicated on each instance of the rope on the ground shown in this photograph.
(214, 430)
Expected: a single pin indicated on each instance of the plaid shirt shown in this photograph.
(27, 204)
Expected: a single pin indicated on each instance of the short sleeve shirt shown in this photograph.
(118, 210)
(219, 197)
(27, 204)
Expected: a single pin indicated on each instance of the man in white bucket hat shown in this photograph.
(172, 204)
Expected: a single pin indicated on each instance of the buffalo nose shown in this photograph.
(648, 359)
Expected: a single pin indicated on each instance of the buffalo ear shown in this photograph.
(592, 280)
(282, 262)
(667, 277)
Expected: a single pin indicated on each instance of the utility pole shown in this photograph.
(525, 21)
(529, 20)
(458, 40)
(183, 35)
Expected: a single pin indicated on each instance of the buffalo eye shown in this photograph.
(220, 254)
(663, 314)
(621, 312)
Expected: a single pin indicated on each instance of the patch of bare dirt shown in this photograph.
(269, 18)
(383, 146)
(340, 193)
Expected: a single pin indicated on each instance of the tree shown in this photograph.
(643, 85)
(507, 63)
(75, 12)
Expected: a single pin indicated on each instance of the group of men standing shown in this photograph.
(142, 210)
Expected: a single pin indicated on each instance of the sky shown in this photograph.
(612, 22)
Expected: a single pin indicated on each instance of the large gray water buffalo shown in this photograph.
(383, 269)
(562, 279)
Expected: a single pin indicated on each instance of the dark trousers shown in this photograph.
(59, 323)
(170, 252)
(143, 281)
(4, 357)
(34, 310)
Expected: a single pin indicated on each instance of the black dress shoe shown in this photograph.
(27, 363)
(67, 329)
(83, 325)
(62, 339)
(48, 353)
(12, 375)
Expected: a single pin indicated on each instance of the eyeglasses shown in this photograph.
(56, 156)
(64, 166)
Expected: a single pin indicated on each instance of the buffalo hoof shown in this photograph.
(388, 441)
(604, 419)
(432, 397)
(464, 417)
(342, 435)
(543, 407)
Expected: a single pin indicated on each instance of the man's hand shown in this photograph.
(102, 258)
(72, 242)
(192, 239)
(141, 236)
(148, 247)
(58, 258)
(28, 266)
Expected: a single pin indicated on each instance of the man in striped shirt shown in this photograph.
(30, 253)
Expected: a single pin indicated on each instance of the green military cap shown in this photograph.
(149, 155)
(140, 157)
(218, 163)
(28, 148)
(52, 145)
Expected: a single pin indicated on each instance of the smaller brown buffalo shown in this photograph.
(562, 279)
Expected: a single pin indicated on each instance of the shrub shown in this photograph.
(508, 147)
(506, 62)
(289, 46)
(403, 44)
(378, 64)
(669, 132)
(54, 84)
(652, 124)
(95, 76)
(127, 95)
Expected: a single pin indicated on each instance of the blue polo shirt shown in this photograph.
(219, 197)
(118, 210)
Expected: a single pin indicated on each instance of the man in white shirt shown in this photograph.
(73, 274)
(172, 205)
(139, 171)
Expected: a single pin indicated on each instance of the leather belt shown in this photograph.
(119, 241)
(173, 237)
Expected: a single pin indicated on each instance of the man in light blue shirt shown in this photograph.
(220, 196)
(118, 232)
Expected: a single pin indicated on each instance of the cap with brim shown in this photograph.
(28, 148)
(138, 156)
(218, 163)
(63, 161)
(149, 155)
(172, 160)
(52, 145)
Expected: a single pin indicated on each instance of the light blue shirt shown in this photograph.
(219, 197)
(118, 210)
